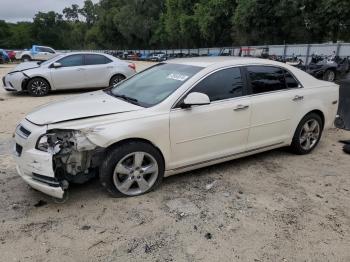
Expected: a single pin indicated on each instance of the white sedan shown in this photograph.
(173, 117)
(68, 71)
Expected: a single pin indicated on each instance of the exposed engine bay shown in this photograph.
(75, 157)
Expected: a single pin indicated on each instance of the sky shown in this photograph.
(24, 10)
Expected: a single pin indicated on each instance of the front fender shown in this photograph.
(32, 73)
(108, 130)
(155, 130)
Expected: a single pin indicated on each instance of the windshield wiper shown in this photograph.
(127, 98)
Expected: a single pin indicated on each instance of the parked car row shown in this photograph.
(329, 68)
(158, 56)
(78, 70)
(175, 116)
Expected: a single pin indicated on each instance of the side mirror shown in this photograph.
(194, 99)
(56, 65)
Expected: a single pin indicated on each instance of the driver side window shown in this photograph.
(223, 84)
(72, 60)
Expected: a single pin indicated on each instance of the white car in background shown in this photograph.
(173, 117)
(68, 71)
(39, 53)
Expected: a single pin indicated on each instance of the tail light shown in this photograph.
(132, 66)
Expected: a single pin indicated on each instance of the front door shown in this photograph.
(71, 74)
(213, 131)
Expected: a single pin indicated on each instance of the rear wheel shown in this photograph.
(116, 79)
(26, 58)
(307, 134)
(38, 87)
(329, 75)
(132, 169)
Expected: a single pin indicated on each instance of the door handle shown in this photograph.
(298, 98)
(241, 107)
(80, 69)
(110, 67)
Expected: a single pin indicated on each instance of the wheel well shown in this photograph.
(119, 143)
(119, 74)
(26, 81)
(320, 114)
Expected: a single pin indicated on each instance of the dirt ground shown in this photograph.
(273, 206)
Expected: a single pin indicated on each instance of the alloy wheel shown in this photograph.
(39, 87)
(310, 134)
(135, 173)
(116, 80)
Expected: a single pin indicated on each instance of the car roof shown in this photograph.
(84, 53)
(222, 60)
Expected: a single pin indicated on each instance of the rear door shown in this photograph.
(275, 99)
(71, 74)
(98, 70)
(214, 131)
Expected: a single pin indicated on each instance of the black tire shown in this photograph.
(296, 146)
(26, 58)
(346, 149)
(116, 155)
(38, 87)
(329, 75)
(116, 79)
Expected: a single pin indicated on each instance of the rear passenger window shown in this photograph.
(96, 59)
(291, 82)
(266, 79)
(224, 84)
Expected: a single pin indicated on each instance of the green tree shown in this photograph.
(71, 13)
(89, 12)
(4, 33)
(214, 21)
(49, 29)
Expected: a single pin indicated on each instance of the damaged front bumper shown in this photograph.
(43, 185)
(34, 166)
(48, 160)
(13, 81)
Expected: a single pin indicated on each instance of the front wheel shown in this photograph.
(38, 87)
(307, 134)
(132, 169)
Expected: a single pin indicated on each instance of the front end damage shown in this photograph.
(60, 157)
(75, 158)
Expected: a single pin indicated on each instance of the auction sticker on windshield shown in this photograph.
(178, 77)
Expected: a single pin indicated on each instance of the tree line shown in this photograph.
(153, 24)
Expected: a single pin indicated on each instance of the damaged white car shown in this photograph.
(173, 117)
(79, 70)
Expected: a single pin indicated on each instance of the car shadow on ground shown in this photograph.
(92, 189)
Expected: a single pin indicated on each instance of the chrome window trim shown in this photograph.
(202, 78)
(276, 91)
(174, 108)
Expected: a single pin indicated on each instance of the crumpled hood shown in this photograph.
(25, 66)
(83, 106)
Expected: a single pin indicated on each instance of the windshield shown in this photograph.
(153, 85)
(50, 60)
